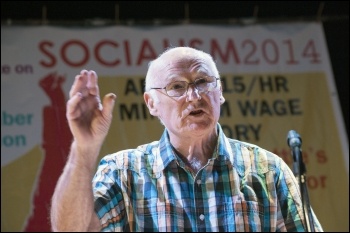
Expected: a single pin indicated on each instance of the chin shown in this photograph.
(199, 126)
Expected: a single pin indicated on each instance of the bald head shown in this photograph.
(174, 55)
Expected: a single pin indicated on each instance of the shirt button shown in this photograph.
(201, 217)
(199, 182)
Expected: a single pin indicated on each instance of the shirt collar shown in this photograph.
(166, 154)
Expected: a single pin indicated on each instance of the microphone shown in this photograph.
(294, 142)
(293, 139)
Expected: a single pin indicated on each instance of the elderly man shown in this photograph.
(193, 179)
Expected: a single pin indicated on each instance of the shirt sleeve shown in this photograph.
(109, 201)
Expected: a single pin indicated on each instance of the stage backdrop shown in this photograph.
(276, 78)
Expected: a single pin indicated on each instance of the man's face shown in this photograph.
(193, 113)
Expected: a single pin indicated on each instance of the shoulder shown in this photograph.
(249, 157)
(136, 159)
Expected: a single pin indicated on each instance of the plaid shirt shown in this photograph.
(242, 188)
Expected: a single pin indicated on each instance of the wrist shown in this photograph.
(83, 155)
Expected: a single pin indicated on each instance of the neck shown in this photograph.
(195, 151)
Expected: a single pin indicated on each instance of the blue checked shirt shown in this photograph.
(242, 188)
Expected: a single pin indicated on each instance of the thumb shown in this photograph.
(108, 104)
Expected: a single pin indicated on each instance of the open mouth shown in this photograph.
(195, 113)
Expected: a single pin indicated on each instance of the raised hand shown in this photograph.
(88, 118)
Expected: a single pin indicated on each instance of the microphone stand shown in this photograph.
(294, 141)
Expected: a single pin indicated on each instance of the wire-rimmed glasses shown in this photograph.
(179, 88)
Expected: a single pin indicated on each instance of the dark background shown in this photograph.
(334, 16)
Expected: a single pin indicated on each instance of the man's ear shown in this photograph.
(222, 98)
(150, 104)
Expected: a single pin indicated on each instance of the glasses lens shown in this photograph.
(205, 83)
(201, 84)
(176, 89)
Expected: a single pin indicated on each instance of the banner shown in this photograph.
(276, 77)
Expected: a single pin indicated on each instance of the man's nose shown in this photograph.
(192, 93)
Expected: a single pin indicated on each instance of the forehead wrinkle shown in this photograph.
(192, 65)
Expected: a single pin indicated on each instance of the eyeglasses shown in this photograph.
(179, 88)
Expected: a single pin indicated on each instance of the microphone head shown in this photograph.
(293, 139)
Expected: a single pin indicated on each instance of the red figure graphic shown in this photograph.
(56, 144)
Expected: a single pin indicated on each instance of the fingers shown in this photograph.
(73, 111)
(79, 82)
(85, 83)
(92, 83)
(108, 105)
(84, 94)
